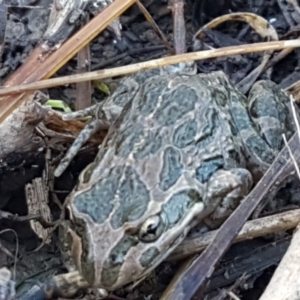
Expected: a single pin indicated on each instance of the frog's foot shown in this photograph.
(95, 111)
(80, 114)
(226, 188)
(82, 138)
(108, 110)
(63, 285)
(7, 285)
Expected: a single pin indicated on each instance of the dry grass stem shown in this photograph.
(285, 281)
(251, 229)
(156, 63)
(155, 27)
(46, 68)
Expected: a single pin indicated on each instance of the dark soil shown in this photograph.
(139, 43)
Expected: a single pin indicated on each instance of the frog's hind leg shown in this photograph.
(269, 109)
(82, 138)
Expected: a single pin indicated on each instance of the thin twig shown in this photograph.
(10, 216)
(298, 131)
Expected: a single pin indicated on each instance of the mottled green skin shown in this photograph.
(182, 148)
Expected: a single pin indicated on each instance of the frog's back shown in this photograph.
(174, 126)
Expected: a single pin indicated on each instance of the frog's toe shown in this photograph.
(80, 114)
(63, 285)
(225, 191)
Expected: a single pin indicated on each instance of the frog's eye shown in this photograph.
(151, 229)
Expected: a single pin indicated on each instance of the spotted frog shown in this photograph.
(183, 149)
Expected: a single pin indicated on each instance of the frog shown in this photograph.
(181, 149)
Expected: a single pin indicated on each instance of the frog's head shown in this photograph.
(125, 230)
(128, 223)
